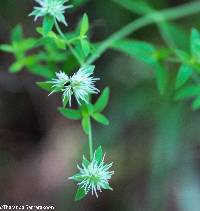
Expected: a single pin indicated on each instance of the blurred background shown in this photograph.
(152, 140)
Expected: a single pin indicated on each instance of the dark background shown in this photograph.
(153, 143)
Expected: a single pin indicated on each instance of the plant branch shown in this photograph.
(154, 17)
(80, 61)
(90, 138)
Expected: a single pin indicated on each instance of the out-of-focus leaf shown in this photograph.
(85, 124)
(17, 34)
(196, 103)
(70, 113)
(16, 66)
(6, 48)
(45, 86)
(41, 70)
(183, 56)
(140, 50)
(98, 154)
(102, 101)
(85, 46)
(183, 76)
(138, 7)
(100, 118)
(187, 92)
(195, 43)
(84, 25)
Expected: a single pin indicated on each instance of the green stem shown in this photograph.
(90, 138)
(80, 61)
(154, 17)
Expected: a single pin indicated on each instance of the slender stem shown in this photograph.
(90, 138)
(80, 61)
(154, 17)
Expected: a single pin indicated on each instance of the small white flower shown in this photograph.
(94, 176)
(80, 84)
(54, 8)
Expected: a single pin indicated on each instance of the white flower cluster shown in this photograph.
(80, 84)
(94, 177)
(54, 8)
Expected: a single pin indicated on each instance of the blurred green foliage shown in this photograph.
(152, 134)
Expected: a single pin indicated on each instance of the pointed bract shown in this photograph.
(54, 8)
(94, 177)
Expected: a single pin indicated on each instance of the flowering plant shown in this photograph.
(79, 53)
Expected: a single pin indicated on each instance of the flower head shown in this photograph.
(54, 8)
(95, 175)
(80, 84)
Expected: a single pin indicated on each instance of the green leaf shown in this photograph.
(89, 68)
(183, 76)
(85, 46)
(70, 113)
(195, 43)
(17, 66)
(45, 86)
(106, 186)
(17, 34)
(196, 103)
(85, 162)
(140, 8)
(187, 92)
(100, 118)
(48, 23)
(139, 50)
(42, 70)
(77, 177)
(102, 101)
(80, 194)
(84, 25)
(6, 48)
(183, 56)
(98, 154)
(85, 124)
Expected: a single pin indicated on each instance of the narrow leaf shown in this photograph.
(98, 154)
(100, 118)
(139, 50)
(48, 22)
(85, 124)
(187, 92)
(84, 25)
(45, 85)
(6, 48)
(17, 34)
(195, 43)
(102, 101)
(70, 113)
(85, 46)
(80, 194)
(183, 76)
(196, 103)
(85, 162)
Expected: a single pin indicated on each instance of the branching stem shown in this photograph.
(80, 61)
(90, 138)
(154, 17)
